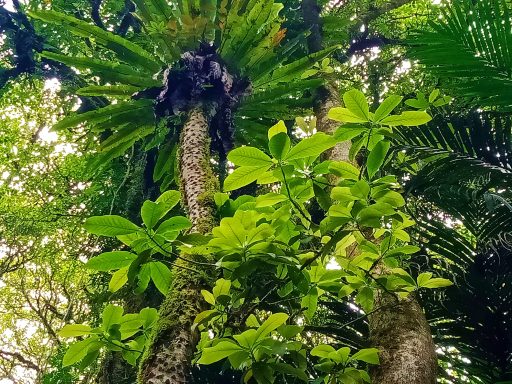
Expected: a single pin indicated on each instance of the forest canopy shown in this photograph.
(255, 191)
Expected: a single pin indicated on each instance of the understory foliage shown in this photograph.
(276, 259)
(303, 246)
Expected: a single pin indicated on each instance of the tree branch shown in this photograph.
(95, 13)
(23, 360)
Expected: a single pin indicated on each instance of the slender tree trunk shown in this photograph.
(399, 330)
(168, 360)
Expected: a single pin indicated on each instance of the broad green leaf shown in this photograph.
(246, 339)
(376, 157)
(355, 101)
(118, 279)
(218, 352)
(433, 95)
(161, 276)
(111, 315)
(365, 299)
(74, 330)
(360, 189)
(423, 278)
(344, 115)
(148, 317)
(208, 296)
(244, 176)
(249, 156)
(279, 145)
(278, 128)
(322, 350)
(270, 199)
(344, 170)
(345, 132)
(110, 225)
(436, 282)
(387, 107)
(77, 351)
(391, 197)
(407, 119)
(222, 287)
(311, 147)
(368, 355)
(169, 199)
(174, 224)
(310, 303)
(273, 322)
(109, 261)
(151, 213)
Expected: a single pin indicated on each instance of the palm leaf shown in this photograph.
(471, 49)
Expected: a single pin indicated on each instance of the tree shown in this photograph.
(256, 259)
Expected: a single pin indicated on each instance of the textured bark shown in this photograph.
(401, 332)
(168, 360)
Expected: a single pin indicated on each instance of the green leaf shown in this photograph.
(368, 355)
(273, 322)
(218, 352)
(222, 287)
(346, 132)
(436, 283)
(390, 197)
(77, 351)
(376, 157)
(74, 330)
(125, 50)
(344, 115)
(311, 147)
(125, 91)
(243, 176)
(109, 261)
(111, 315)
(174, 224)
(322, 350)
(270, 199)
(355, 101)
(387, 107)
(344, 170)
(151, 213)
(169, 199)
(110, 225)
(278, 128)
(208, 296)
(249, 156)
(161, 276)
(118, 279)
(365, 299)
(279, 145)
(407, 119)
(310, 303)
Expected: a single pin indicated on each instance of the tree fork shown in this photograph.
(168, 359)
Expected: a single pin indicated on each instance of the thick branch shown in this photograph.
(95, 13)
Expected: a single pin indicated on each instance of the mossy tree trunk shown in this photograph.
(399, 329)
(168, 360)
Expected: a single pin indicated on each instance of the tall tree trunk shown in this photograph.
(399, 330)
(168, 360)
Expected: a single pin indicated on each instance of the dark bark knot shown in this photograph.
(201, 77)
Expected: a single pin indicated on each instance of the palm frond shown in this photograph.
(470, 48)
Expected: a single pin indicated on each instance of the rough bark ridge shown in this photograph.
(168, 360)
(400, 330)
